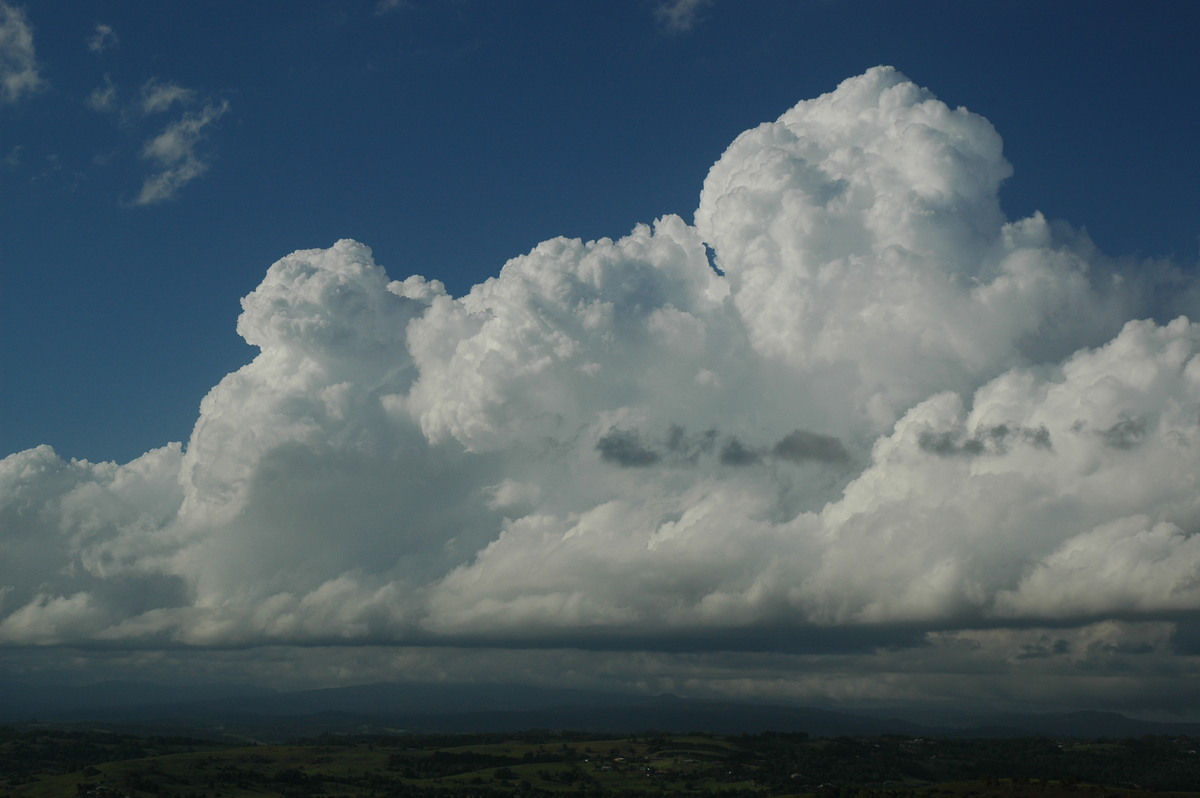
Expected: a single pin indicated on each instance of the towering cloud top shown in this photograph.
(881, 403)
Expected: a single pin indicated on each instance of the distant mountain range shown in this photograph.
(263, 714)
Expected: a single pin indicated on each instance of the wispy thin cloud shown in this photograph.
(388, 6)
(176, 151)
(680, 16)
(103, 98)
(18, 64)
(104, 38)
(159, 95)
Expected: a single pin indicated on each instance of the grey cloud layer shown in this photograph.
(884, 403)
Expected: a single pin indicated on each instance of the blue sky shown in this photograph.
(835, 352)
(450, 136)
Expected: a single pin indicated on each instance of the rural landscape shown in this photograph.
(59, 762)
(145, 740)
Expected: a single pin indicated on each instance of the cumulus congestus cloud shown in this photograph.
(884, 403)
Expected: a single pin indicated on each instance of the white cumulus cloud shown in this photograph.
(883, 412)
